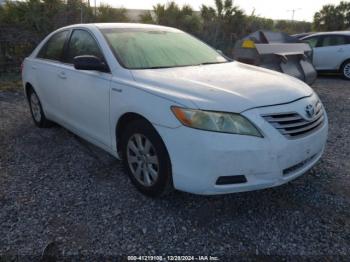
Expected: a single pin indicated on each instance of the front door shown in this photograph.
(86, 93)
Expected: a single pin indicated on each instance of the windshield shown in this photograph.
(154, 48)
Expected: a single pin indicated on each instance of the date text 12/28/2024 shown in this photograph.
(173, 258)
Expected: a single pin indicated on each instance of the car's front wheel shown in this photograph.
(36, 110)
(345, 69)
(146, 158)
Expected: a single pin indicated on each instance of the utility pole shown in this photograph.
(81, 12)
(95, 10)
(293, 12)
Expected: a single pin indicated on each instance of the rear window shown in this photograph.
(53, 48)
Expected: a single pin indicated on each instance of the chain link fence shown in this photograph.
(15, 45)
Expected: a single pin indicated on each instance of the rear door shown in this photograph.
(47, 67)
(329, 52)
(86, 93)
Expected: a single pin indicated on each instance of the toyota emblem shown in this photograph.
(310, 111)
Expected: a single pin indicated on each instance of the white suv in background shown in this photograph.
(177, 112)
(331, 51)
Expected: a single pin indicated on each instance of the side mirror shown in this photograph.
(90, 62)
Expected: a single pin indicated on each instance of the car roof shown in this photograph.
(122, 26)
(330, 33)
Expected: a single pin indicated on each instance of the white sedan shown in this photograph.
(178, 113)
(331, 51)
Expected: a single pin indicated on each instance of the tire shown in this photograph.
(345, 70)
(36, 110)
(146, 159)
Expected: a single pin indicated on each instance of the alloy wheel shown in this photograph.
(142, 160)
(35, 107)
(346, 70)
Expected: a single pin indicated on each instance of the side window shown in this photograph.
(53, 48)
(333, 40)
(312, 41)
(82, 43)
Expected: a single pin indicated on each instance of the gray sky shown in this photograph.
(276, 9)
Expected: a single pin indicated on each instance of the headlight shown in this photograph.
(216, 121)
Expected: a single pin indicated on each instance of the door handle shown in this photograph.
(62, 75)
(117, 90)
(33, 67)
(340, 50)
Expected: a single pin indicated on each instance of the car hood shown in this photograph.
(231, 87)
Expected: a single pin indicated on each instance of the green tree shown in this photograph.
(255, 23)
(106, 13)
(332, 17)
(344, 8)
(223, 25)
(23, 24)
(172, 15)
(147, 18)
(293, 27)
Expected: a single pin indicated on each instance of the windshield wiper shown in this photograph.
(173, 66)
(160, 67)
(156, 67)
(212, 63)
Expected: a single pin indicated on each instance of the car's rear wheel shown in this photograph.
(345, 69)
(36, 110)
(146, 159)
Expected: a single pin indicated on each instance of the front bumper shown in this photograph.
(199, 158)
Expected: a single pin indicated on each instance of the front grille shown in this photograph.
(293, 125)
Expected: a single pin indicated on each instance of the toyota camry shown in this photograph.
(178, 113)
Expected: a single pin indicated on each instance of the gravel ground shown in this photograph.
(62, 195)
